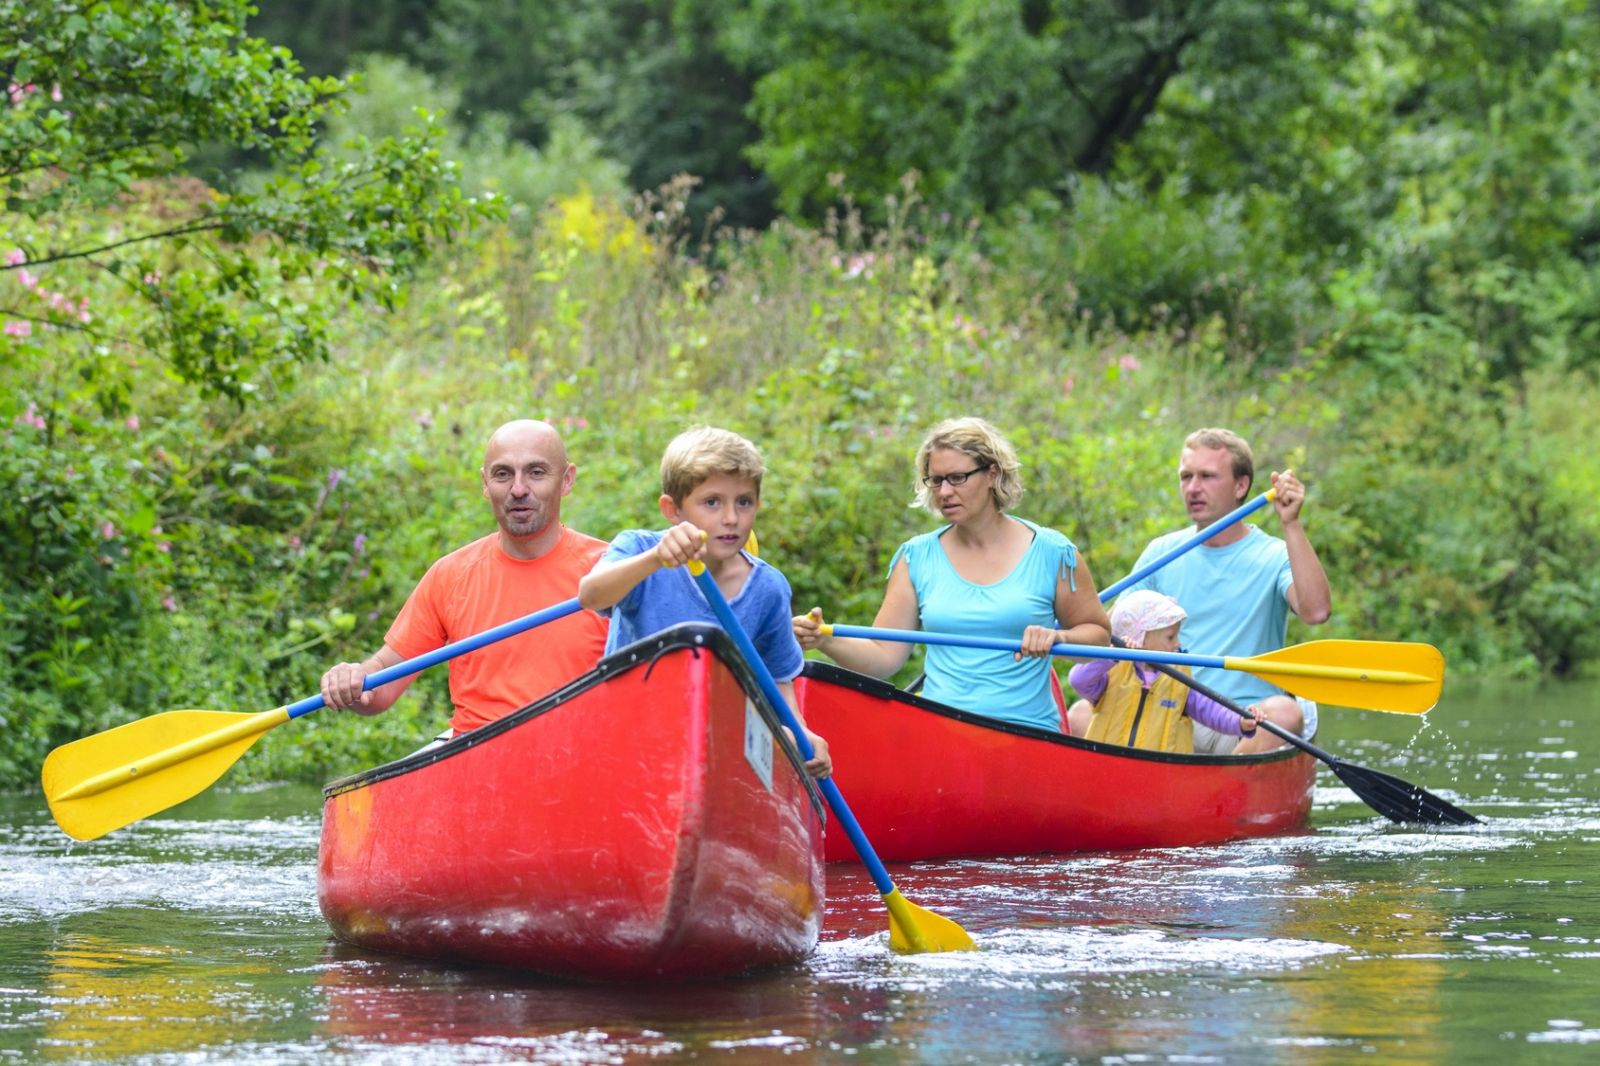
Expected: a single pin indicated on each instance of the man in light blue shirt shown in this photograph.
(1239, 587)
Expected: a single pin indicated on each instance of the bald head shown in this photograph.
(525, 474)
(526, 433)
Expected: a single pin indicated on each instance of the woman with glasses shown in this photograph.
(984, 573)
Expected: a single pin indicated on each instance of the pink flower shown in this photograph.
(107, 530)
(19, 329)
(55, 93)
(16, 257)
(1129, 362)
(169, 603)
(1066, 385)
(424, 419)
(294, 542)
(26, 280)
(133, 423)
(32, 417)
(359, 544)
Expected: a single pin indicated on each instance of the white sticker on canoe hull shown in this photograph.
(757, 744)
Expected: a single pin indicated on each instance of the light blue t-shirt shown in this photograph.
(1235, 599)
(989, 682)
(668, 597)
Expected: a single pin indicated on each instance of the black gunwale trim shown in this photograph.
(817, 670)
(640, 655)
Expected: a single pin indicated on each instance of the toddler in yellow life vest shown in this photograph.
(1134, 703)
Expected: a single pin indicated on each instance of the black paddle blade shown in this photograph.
(1397, 800)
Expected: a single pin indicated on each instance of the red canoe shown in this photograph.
(928, 781)
(648, 820)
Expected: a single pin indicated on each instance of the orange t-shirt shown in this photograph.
(478, 587)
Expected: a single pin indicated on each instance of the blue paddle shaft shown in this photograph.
(1071, 651)
(829, 790)
(449, 651)
(1233, 517)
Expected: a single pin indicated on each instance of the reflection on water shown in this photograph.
(196, 938)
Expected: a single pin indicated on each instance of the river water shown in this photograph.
(194, 937)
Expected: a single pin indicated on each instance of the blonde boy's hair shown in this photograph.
(704, 452)
(1244, 462)
(983, 444)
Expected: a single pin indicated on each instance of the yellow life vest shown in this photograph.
(1137, 717)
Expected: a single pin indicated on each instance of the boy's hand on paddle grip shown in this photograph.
(681, 543)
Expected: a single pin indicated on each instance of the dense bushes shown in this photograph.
(177, 552)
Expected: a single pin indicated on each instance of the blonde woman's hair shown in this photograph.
(1244, 463)
(983, 444)
(704, 452)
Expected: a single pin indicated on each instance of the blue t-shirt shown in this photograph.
(989, 682)
(670, 596)
(1235, 599)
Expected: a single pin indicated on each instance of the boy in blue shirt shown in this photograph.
(710, 492)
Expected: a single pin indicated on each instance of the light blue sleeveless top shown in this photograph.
(990, 682)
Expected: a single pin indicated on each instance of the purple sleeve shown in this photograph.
(1088, 679)
(1209, 712)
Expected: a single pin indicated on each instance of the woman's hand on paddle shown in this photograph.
(681, 543)
(1037, 642)
(808, 629)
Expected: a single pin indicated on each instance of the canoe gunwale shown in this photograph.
(877, 687)
(692, 636)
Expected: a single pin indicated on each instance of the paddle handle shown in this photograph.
(1238, 514)
(769, 687)
(1073, 651)
(449, 651)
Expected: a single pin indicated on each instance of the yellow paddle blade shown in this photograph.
(106, 781)
(913, 930)
(1377, 675)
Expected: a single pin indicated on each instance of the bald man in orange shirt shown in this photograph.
(531, 562)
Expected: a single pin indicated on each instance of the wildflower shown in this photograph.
(16, 257)
(1129, 362)
(55, 93)
(169, 603)
(19, 329)
(424, 419)
(1066, 385)
(294, 541)
(133, 423)
(359, 544)
(107, 530)
(26, 280)
(335, 476)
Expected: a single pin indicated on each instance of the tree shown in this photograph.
(108, 98)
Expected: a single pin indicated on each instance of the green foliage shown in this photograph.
(384, 103)
(219, 283)
(1362, 236)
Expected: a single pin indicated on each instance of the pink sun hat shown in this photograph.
(1138, 612)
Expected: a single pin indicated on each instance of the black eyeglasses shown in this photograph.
(933, 481)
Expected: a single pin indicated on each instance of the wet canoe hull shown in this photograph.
(928, 781)
(646, 821)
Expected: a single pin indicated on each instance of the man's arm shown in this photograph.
(341, 685)
(1309, 595)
